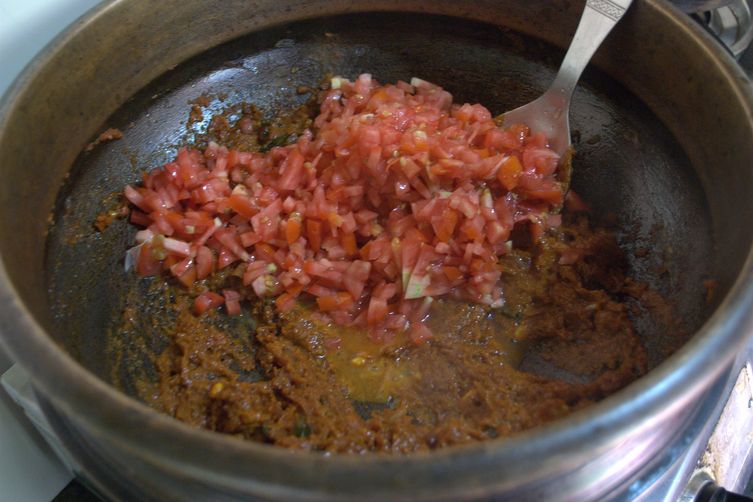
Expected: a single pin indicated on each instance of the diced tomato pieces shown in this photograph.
(225, 258)
(242, 205)
(232, 301)
(452, 273)
(340, 301)
(444, 226)
(420, 333)
(293, 229)
(356, 276)
(394, 197)
(377, 311)
(204, 262)
(509, 172)
(147, 264)
(291, 171)
(314, 234)
(188, 277)
(348, 242)
(207, 301)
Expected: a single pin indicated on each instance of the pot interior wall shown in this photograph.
(627, 163)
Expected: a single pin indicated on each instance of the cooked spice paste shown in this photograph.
(410, 284)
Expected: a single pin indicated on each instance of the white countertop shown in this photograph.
(29, 472)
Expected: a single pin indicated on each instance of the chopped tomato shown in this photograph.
(188, 277)
(445, 223)
(314, 234)
(285, 302)
(293, 229)
(419, 333)
(348, 242)
(394, 197)
(340, 301)
(207, 301)
(377, 312)
(242, 205)
(356, 276)
(509, 172)
(232, 301)
(452, 273)
(552, 195)
(147, 264)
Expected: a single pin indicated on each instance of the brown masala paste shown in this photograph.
(561, 342)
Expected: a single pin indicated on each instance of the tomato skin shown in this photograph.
(552, 195)
(136, 197)
(291, 171)
(285, 302)
(253, 271)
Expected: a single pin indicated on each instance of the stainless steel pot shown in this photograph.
(85, 75)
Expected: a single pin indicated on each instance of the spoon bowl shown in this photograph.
(550, 112)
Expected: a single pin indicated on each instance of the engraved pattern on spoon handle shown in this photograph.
(598, 19)
(607, 8)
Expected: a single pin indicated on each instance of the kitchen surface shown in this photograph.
(30, 470)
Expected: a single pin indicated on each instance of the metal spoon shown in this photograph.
(550, 112)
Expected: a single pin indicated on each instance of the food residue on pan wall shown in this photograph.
(110, 134)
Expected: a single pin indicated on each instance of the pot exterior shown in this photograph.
(84, 76)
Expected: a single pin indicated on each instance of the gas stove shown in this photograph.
(34, 466)
(732, 25)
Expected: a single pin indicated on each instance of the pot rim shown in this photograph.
(132, 424)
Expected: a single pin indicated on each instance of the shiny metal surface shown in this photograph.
(700, 5)
(688, 83)
(729, 454)
(733, 25)
(550, 113)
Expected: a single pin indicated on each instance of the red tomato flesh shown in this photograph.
(398, 195)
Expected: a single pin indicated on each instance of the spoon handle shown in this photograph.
(598, 19)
